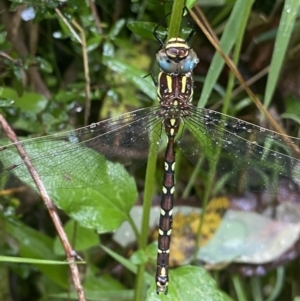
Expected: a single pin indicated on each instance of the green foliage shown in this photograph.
(33, 244)
(203, 286)
(69, 59)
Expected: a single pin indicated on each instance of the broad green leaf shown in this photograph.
(44, 65)
(34, 244)
(85, 238)
(102, 207)
(144, 29)
(29, 101)
(6, 102)
(94, 43)
(104, 283)
(139, 257)
(189, 283)
(133, 74)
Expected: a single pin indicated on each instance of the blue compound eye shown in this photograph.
(187, 65)
(165, 63)
(181, 65)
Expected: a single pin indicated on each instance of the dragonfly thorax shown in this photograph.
(174, 92)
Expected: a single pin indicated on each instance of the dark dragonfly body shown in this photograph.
(174, 94)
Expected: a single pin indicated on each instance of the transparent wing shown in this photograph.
(65, 159)
(244, 155)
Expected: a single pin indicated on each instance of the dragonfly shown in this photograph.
(241, 153)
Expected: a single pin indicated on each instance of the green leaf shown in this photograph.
(125, 262)
(3, 35)
(18, 86)
(292, 109)
(134, 75)
(285, 29)
(97, 207)
(29, 101)
(94, 295)
(190, 3)
(44, 64)
(188, 283)
(94, 43)
(103, 208)
(104, 283)
(229, 36)
(292, 116)
(115, 30)
(33, 244)
(85, 238)
(31, 260)
(105, 286)
(144, 29)
(209, 3)
(139, 257)
(6, 102)
(30, 104)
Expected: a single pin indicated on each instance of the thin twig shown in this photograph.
(249, 82)
(82, 41)
(95, 16)
(7, 56)
(74, 33)
(71, 254)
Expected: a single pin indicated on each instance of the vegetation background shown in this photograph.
(66, 64)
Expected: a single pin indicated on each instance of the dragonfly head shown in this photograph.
(176, 57)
